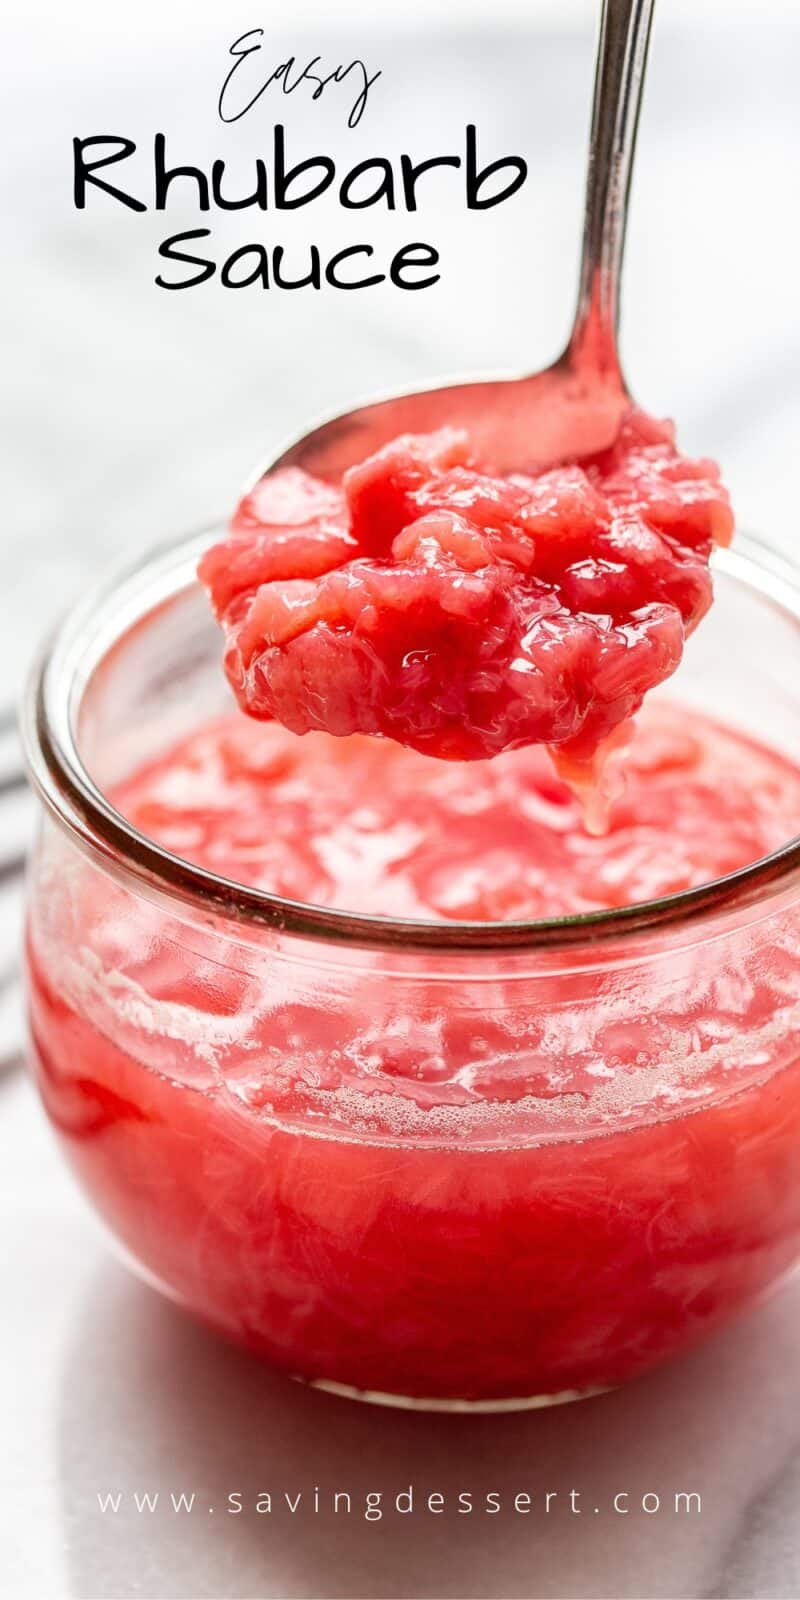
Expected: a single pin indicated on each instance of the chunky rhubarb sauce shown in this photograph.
(462, 613)
(365, 825)
(431, 1174)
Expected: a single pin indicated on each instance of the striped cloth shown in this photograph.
(17, 811)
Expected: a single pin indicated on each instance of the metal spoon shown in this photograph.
(573, 407)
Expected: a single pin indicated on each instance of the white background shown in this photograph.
(129, 413)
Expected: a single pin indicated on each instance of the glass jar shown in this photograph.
(259, 1095)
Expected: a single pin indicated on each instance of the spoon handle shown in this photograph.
(619, 76)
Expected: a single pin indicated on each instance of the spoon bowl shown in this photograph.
(517, 424)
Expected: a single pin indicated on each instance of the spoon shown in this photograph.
(573, 407)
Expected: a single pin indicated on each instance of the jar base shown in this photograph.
(403, 1402)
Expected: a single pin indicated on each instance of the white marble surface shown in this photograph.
(129, 413)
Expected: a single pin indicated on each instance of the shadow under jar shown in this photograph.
(221, 1066)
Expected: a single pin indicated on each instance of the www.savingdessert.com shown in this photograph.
(373, 1505)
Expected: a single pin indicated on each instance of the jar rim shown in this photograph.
(96, 624)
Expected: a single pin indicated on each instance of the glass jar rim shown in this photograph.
(108, 611)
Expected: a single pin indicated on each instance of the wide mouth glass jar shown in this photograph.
(243, 1083)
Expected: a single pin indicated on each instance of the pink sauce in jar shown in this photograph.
(428, 1174)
